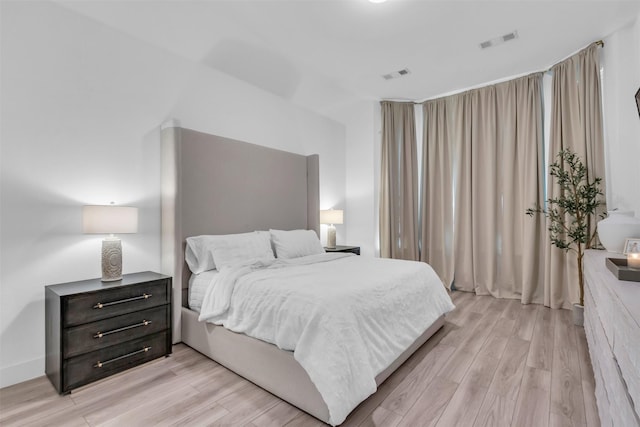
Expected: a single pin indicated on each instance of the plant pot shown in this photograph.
(616, 228)
(578, 314)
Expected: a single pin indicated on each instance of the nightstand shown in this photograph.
(338, 248)
(95, 329)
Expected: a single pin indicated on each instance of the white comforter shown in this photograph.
(345, 317)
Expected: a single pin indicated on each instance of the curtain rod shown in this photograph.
(599, 43)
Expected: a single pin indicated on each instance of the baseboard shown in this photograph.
(20, 372)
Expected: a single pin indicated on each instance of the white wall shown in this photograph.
(621, 80)
(80, 109)
(361, 190)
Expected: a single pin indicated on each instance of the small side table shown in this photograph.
(338, 248)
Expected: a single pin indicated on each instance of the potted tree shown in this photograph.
(570, 214)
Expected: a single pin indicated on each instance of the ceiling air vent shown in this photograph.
(509, 36)
(396, 74)
(499, 40)
(486, 44)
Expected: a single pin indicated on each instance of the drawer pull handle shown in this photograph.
(124, 328)
(133, 353)
(107, 304)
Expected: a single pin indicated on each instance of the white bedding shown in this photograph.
(198, 284)
(345, 317)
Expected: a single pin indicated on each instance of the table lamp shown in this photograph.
(331, 217)
(110, 220)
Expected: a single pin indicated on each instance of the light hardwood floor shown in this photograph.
(494, 363)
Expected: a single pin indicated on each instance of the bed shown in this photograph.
(205, 192)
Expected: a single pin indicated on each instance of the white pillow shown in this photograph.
(296, 243)
(241, 249)
(230, 248)
(197, 255)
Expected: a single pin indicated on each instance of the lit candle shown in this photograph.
(633, 259)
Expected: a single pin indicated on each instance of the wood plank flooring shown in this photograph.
(494, 363)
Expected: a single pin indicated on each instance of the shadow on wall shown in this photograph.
(16, 338)
(260, 67)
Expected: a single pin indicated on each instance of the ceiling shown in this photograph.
(326, 53)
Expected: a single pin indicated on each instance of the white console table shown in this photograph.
(612, 327)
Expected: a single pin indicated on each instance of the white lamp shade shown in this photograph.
(331, 216)
(109, 219)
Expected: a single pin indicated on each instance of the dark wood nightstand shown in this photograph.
(95, 329)
(338, 248)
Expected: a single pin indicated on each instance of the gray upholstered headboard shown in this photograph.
(215, 185)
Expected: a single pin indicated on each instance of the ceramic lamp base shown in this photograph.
(111, 259)
(331, 236)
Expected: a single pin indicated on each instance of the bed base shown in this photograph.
(269, 367)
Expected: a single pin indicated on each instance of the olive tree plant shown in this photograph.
(570, 213)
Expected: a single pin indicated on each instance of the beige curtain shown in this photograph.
(576, 124)
(398, 182)
(436, 212)
(482, 168)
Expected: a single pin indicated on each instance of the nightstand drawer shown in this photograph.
(102, 363)
(103, 333)
(345, 249)
(85, 308)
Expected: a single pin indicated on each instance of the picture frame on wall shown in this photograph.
(638, 101)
